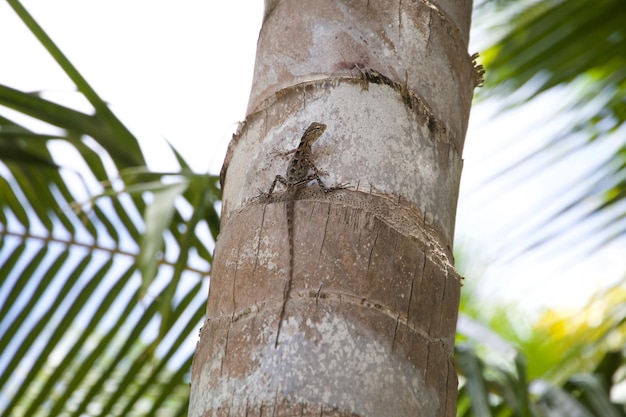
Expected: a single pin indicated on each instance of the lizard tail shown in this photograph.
(290, 216)
(289, 205)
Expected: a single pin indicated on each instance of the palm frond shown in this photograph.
(70, 285)
(562, 366)
(580, 45)
(88, 329)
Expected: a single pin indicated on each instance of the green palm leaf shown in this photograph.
(560, 365)
(580, 45)
(88, 329)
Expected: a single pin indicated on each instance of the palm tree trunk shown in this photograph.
(369, 322)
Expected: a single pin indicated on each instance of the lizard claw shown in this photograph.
(262, 195)
(282, 154)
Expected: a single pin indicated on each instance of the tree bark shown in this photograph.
(369, 325)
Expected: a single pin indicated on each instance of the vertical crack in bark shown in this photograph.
(430, 29)
(395, 333)
(427, 360)
(442, 302)
(225, 347)
(422, 277)
(233, 313)
(319, 256)
(358, 239)
(395, 250)
(408, 309)
(395, 259)
(317, 294)
(430, 322)
(235, 278)
(258, 246)
(275, 400)
(369, 258)
(447, 392)
(400, 19)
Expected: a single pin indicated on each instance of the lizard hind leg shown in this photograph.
(278, 178)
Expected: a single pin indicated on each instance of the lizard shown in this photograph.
(300, 172)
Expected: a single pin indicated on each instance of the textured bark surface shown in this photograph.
(369, 326)
(422, 44)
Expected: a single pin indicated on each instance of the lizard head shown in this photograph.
(313, 132)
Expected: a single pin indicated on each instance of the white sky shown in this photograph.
(182, 70)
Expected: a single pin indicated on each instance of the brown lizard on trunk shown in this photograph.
(300, 172)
